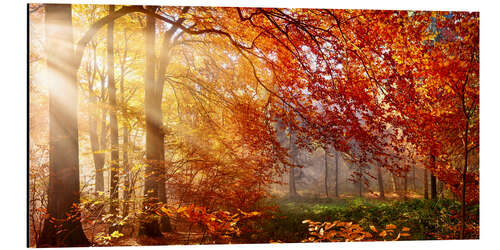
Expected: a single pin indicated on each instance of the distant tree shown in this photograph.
(293, 156)
(336, 173)
(380, 182)
(326, 171)
(426, 184)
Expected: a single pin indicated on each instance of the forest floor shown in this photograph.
(283, 221)
(427, 219)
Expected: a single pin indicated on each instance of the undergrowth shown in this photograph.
(427, 219)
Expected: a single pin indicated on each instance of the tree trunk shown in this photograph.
(395, 186)
(336, 174)
(433, 187)
(127, 188)
(99, 179)
(95, 146)
(160, 81)
(360, 186)
(414, 179)
(150, 225)
(125, 132)
(464, 176)
(405, 185)
(162, 194)
(426, 184)
(433, 179)
(380, 182)
(293, 155)
(115, 166)
(441, 189)
(326, 172)
(63, 228)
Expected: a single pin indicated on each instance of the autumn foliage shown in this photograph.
(218, 89)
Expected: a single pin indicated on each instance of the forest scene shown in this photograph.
(184, 125)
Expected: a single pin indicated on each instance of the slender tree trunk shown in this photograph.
(405, 185)
(150, 225)
(126, 167)
(95, 146)
(380, 182)
(441, 189)
(433, 179)
(336, 173)
(113, 190)
(414, 179)
(433, 187)
(63, 228)
(125, 132)
(326, 172)
(360, 186)
(426, 184)
(464, 176)
(395, 185)
(99, 179)
(293, 155)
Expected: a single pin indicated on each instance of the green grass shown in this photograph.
(425, 218)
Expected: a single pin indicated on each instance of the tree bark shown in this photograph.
(126, 166)
(150, 225)
(380, 182)
(63, 228)
(433, 179)
(115, 165)
(464, 174)
(433, 187)
(360, 186)
(440, 189)
(160, 81)
(100, 175)
(293, 155)
(405, 185)
(336, 173)
(95, 145)
(426, 184)
(125, 133)
(326, 172)
(414, 179)
(394, 183)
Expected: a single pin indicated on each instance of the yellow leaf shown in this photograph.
(390, 226)
(255, 213)
(116, 234)
(373, 229)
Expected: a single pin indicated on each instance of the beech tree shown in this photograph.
(62, 226)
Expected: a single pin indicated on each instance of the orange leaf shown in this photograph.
(383, 233)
